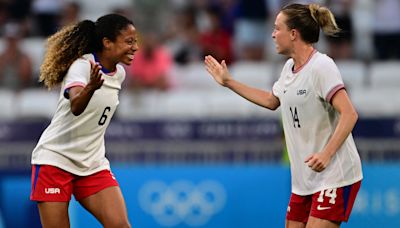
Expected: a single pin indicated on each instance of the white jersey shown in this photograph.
(309, 121)
(76, 143)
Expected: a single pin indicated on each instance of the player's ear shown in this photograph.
(293, 34)
(106, 43)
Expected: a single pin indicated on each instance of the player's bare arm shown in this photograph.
(220, 72)
(80, 96)
(347, 120)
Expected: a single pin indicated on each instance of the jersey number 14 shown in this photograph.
(295, 117)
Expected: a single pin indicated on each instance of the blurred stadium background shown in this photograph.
(193, 154)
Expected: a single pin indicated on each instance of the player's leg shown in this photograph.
(298, 211)
(108, 207)
(100, 194)
(321, 223)
(294, 224)
(54, 214)
(52, 189)
(330, 207)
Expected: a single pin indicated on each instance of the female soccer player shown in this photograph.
(70, 156)
(317, 116)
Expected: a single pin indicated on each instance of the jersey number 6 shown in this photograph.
(103, 117)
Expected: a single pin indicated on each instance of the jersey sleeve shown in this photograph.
(327, 79)
(78, 74)
(278, 87)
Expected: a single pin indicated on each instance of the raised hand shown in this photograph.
(95, 81)
(219, 71)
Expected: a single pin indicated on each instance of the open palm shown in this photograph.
(95, 81)
(219, 71)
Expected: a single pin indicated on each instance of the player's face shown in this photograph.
(282, 35)
(125, 45)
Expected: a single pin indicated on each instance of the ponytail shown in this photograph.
(325, 19)
(63, 48)
(309, 19)
(70, 43)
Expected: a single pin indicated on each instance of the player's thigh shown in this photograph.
(108, 206)
(314, 222)
(334, 204)
(54, 214)
(294, 224)
(298, 210)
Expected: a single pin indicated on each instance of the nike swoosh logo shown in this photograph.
(322, 208)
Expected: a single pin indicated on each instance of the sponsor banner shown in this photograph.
(195, 129)
(21, 131)
(201, 141)
(16, 210)
(378, 201)
(200, 196)
(157, 129)
(237, 196)
(377, 128)
(209, 129)
(233, 196)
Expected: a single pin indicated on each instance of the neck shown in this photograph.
(301, 55)
(107, 65)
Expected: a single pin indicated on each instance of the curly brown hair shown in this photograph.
(73, 41)
(63, 48)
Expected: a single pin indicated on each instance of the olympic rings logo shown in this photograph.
(182, 201)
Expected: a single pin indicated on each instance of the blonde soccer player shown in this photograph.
(317, 116)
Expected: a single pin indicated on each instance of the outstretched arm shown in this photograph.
(220, 72)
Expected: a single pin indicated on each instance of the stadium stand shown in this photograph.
(93, 13)
(385, 74)
(354, 74)
(36, 104)
(34, 48)
(7, 101)
(196, 94)
(255, 74)
(194, 76)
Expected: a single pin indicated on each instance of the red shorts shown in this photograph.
(51, 184)
(330, 204)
